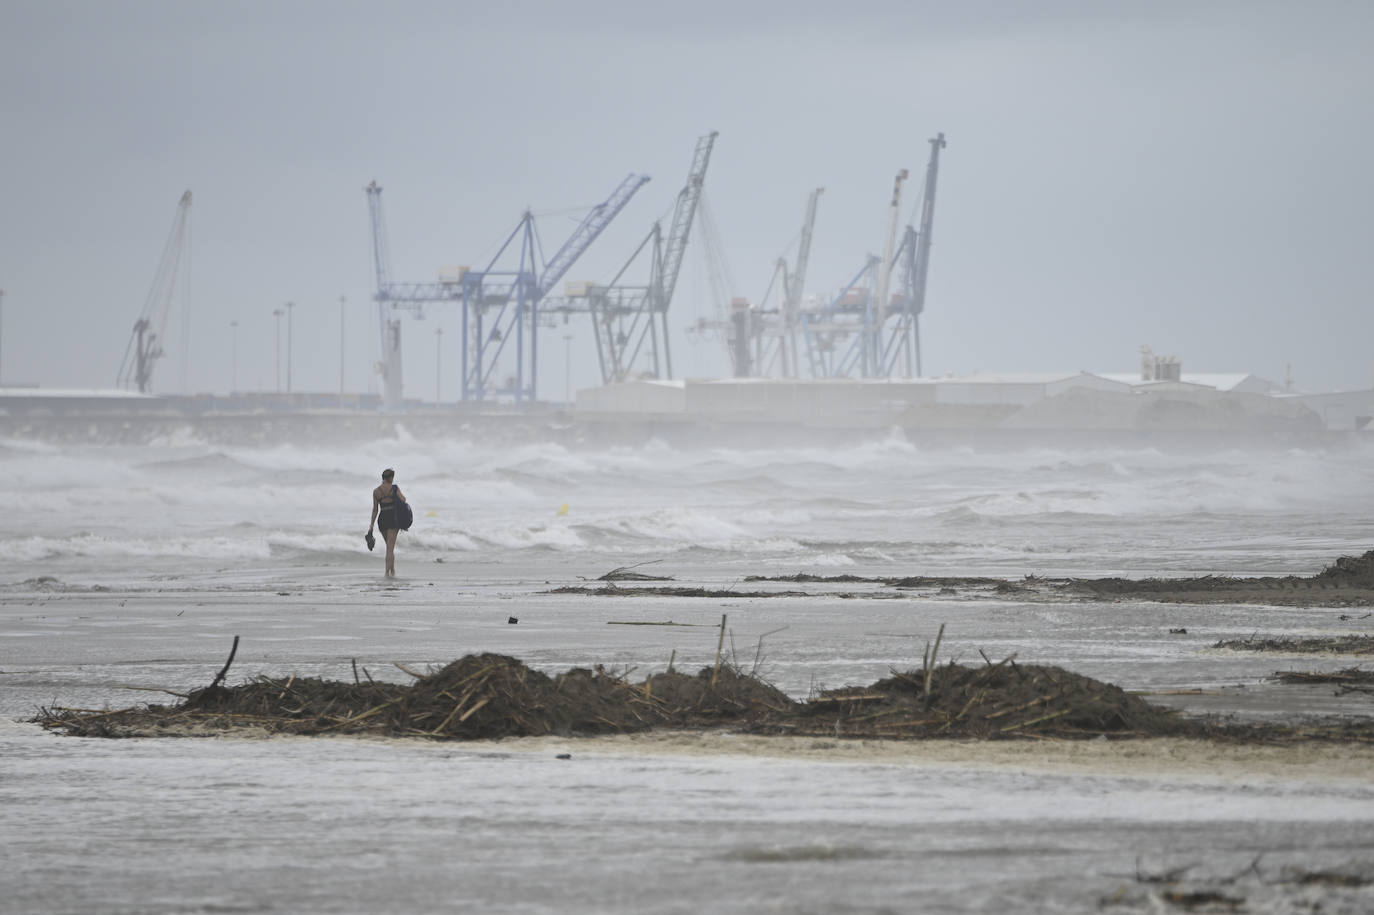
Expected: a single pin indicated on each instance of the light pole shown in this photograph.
(342, 299)
(277, 313)
(438, 360)
(289, 306)
(234, 358)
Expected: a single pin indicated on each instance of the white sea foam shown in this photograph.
(829, 560)
(877, 501)
(97, 546)
(552, 536)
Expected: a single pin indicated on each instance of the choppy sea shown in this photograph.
(111, 514)
(134, 566)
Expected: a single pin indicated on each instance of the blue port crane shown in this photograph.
(901, 340)
(145, 345)
(500, 305)
(917, 270)
(827, 330)
(631, 321)
(867, 330)
(795, 284)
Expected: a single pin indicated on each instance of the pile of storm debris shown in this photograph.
(1354, 644)
(492, 696)
(1347, 573)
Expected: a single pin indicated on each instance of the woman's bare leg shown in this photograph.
(391, 552)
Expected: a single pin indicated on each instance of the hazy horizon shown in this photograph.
(1189, 176)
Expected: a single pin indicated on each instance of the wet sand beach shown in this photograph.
(110, 606)
(551, 823)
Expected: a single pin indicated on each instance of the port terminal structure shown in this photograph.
(869, 329)
(500, 305)
(503, 306)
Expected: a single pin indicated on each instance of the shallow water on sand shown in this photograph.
(159, 556)
(350, 826)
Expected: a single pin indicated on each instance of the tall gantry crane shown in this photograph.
(762, 337)
(500, 305)
(145, 345)
(914, 298)
(631, 321)
(876, 316)
(867, 330)
(795, 285)
(826, 330)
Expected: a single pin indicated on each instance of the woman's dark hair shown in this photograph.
(388, 474)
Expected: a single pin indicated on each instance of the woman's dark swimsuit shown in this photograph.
(386, 517)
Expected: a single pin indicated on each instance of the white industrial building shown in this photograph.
(1340, 411)
(1083, 401)
(1230, 382)
(1018, 389)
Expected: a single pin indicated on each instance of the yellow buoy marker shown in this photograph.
(563, 510)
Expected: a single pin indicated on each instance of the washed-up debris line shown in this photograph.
(1347, 572)
(610, 589)
(1336, 644)
(1351, 678)
(1349, 581)
(493, 696)
(1192, 888)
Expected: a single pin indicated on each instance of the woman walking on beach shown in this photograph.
(384, 499)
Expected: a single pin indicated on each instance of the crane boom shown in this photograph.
(797, 281)
(879, 302)
(926, 232)
(683, 213)
(389, 366)
(632, 320)
(586, 233)
(381, 257)
(145, 345)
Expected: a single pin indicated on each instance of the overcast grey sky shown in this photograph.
(1190, 175)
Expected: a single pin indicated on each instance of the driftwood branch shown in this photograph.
(720, 644)
(626, 573)
(930, 661)
(223, 671)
